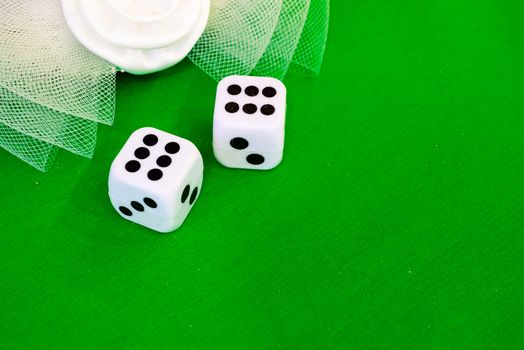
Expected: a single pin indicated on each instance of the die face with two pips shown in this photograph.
(249, 122)
(155, 179)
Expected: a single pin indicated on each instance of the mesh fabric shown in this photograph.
(262, 37)
(309, 53)
(53, 92)
(33, 151)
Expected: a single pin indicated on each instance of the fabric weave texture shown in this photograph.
(54, 92)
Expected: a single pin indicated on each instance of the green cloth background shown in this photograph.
(395, 220)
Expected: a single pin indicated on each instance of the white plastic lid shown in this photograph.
(138, 36)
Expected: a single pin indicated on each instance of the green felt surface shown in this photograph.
(395, 220)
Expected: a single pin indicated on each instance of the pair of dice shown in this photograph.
(157, 177)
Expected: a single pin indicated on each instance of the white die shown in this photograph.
(249, 122)
(155, 179)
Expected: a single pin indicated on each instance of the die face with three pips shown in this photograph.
(155, 179)
(249, 122)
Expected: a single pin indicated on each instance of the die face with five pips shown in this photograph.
(155, 179)
(249, 122)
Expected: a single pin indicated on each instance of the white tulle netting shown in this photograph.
(53, 91)
(263, 37)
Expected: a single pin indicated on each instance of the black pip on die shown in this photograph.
(155, 179)
(249, 122)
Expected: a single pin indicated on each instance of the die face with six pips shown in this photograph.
(155, 179)
(249, 122)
